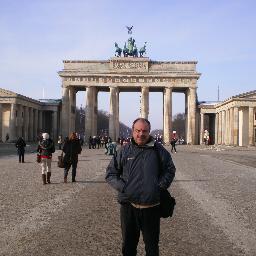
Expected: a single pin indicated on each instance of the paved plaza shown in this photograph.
(215, 189)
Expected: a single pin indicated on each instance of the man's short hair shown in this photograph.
(143, 120)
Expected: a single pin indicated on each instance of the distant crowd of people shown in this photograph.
(72, 146)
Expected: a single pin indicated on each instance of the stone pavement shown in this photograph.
(215, 214)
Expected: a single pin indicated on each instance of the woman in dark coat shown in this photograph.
(71, 148)
(20, 145)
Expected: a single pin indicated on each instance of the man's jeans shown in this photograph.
(134, 220)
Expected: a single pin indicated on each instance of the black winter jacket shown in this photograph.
(71, 149)
(137, 173)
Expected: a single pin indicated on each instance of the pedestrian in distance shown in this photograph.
(20, 145)
(139, 171)
(45, 148)
(72, 148)
(173, 144)
(60, 142)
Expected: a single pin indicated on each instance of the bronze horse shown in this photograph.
(118, 50)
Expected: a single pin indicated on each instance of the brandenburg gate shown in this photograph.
(127, 74)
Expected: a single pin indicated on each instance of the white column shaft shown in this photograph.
(112, 113)
(236, 125)
(89, 112)
(144, 102)
(167, 115)
(192, 116)
(251, 126)
(12, 123)
(65, 112)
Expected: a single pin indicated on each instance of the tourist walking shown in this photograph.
(139, 171)
(45, 148)
(71, 148)
(173, 144)
(60, 142)
(20, 145)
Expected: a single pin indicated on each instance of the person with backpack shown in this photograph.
(139, 172)
(45, 148)
(20, 145)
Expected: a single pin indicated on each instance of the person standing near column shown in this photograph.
(46, 147)
(71, 148)
(20, 145)
(138, 175)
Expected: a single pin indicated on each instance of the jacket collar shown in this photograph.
(149, 144)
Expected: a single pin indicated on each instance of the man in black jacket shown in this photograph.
(20, 145)
(138, 175)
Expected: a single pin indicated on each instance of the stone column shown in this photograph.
(36, 124)
(216, 128)
(251, 124)
(186, 116)
(12, 123)
(1, 122)
(202, 128)
(144, 102)
(65, 112)
(227, 127)
(19, 121)
(236, 125)
(89, 113)
(72, 109)
(95, 111)
(231, 128)
(167, 118)
(112, 113)
(26, 122)
(192, 116)
(220, 128)
(223, 127)
(117, 114)
(55, 125)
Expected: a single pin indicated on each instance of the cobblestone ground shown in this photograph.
(215, 214)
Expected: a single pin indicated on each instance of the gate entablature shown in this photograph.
(123, 72)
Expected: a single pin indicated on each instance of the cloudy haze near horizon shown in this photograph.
(36, 36)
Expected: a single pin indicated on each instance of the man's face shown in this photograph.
(140, 132)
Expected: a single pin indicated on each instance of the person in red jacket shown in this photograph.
(46, 148)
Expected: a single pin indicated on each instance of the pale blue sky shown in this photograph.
(35, 36)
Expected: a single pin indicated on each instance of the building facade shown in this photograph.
(231, 122)
(21, 116)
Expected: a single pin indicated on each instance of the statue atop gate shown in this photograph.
(130, 48)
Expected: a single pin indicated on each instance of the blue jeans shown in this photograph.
(133, 221)
(67, 167)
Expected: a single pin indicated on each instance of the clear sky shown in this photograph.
(37, 35)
